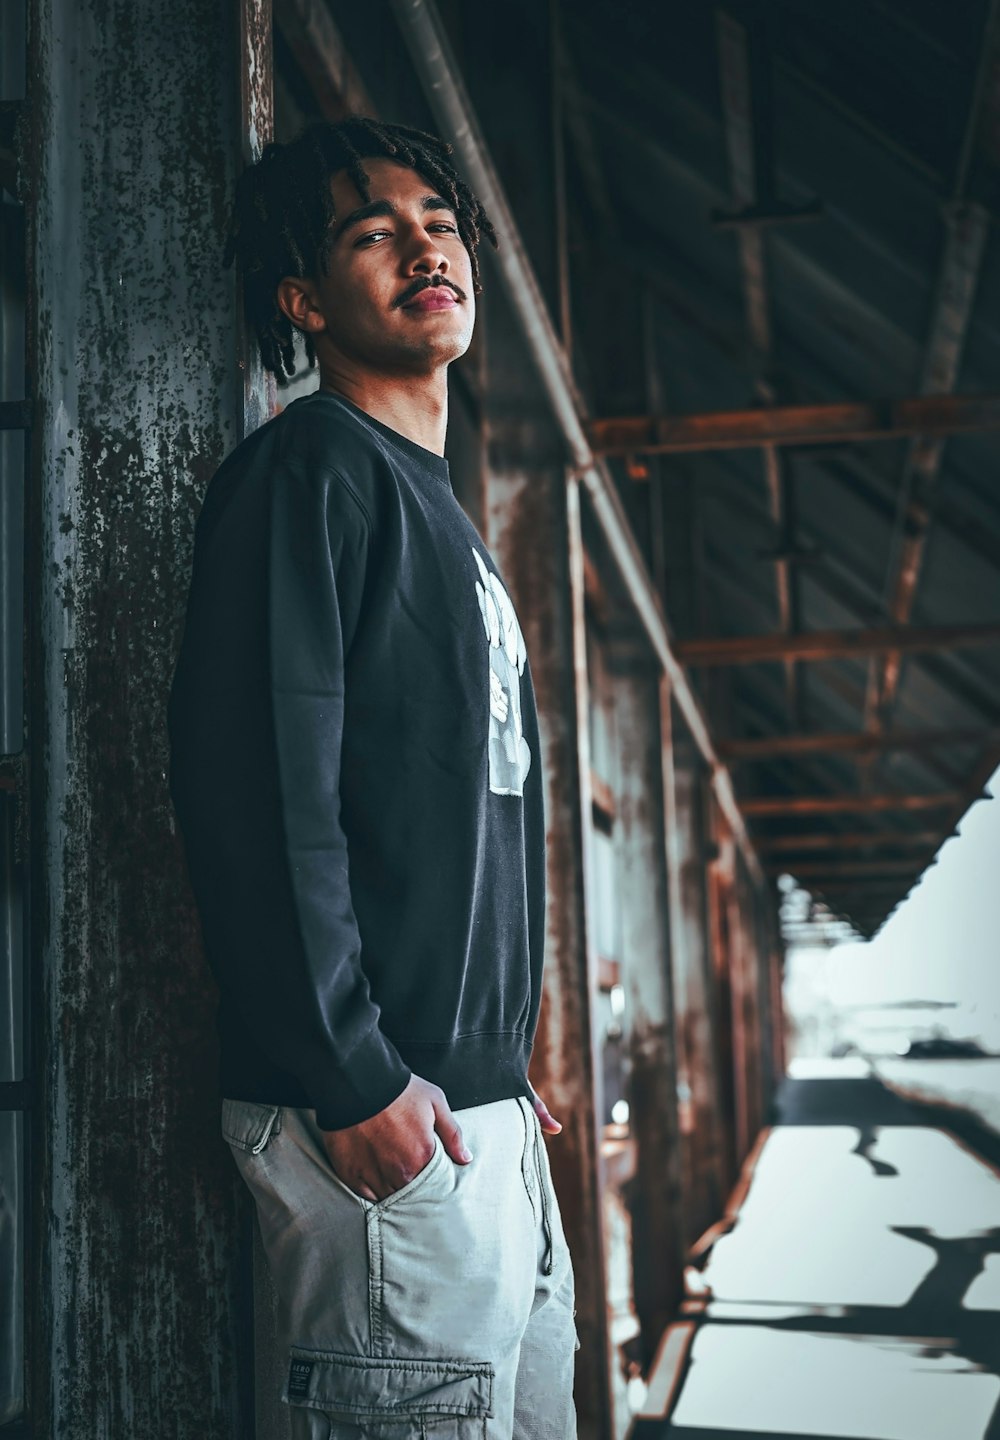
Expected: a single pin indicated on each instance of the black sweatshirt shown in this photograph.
(355, 770)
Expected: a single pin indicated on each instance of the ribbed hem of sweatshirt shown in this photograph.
(471, 1070)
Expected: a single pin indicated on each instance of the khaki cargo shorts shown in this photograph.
(444, 1311)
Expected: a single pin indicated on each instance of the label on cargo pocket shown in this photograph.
(298, 1379)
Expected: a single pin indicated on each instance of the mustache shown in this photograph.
(424, 282)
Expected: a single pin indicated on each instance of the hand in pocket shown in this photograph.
(380, 1155)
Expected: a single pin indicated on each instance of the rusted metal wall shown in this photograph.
(140, 1297)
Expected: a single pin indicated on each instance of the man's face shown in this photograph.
(398, 298)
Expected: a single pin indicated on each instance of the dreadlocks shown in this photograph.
(282, 217)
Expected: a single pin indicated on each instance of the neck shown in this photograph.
(415, 405)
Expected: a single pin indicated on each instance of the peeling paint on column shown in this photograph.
(136, 139)
(529, 528)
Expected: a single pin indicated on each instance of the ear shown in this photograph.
(296, 296)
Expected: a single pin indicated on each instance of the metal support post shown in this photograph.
(655, 1197)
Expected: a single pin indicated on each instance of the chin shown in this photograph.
(441, 351)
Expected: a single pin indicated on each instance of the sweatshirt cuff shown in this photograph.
(371, 1077)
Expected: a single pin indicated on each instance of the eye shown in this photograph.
(444, 225)
(372, 235)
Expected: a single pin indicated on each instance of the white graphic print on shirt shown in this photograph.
(510, 755)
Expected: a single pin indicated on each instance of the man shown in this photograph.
(355, 769)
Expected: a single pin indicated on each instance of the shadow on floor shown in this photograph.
(821, 1324)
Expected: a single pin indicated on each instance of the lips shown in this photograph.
(438, 298)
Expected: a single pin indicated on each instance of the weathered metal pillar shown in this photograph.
(733, 959)
(532, 526)
(725, 985)
(533, 530)
(141, 1302)
(753, 1012)
(697, 1058)
(775, 952)
(654, 1191)
(772, 1009)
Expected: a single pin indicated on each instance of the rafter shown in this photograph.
(849, 840)
(315, 41)
(832, 644)
(846, 869)
(784, 747)
(766, 805)
(744, 83)
(847, 589)
(834, 423)
(967, 229)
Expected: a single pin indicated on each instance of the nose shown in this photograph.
(423, 255)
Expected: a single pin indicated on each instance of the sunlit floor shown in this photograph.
(858, 1295)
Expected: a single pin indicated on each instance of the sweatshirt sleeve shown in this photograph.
(319, 546)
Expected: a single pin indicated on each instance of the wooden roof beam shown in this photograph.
(838, 423)
(832, 644)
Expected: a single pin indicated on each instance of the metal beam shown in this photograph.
(744, 83)
(682, 289)
(787, 747)
(655, 1198)
(832, 644)
(846, 804)
(958, 276)
(842, 869)
(456, 119)
(877, 892)
(842, 422)
(701, 1119)
(853, 840)
(848, 588)
(320, 53)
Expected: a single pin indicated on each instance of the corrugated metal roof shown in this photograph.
(872, 109)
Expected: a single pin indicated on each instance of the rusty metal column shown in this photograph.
(532, 526)
(533, 530)
(655, 1200)
(698, 1067)
(754, 1022)
(735, 960)
(772, 1057)
(141, 1302)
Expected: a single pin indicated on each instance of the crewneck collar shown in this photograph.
(437, 465)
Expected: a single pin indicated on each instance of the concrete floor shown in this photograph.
(857, 1296)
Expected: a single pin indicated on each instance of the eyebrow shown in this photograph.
(376, 208)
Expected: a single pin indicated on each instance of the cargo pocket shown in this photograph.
(452, 1397)
(248, 1125)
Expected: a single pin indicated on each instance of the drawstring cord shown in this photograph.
(546, 1221)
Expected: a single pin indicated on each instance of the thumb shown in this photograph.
(549, 1123)
(451, 1133)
